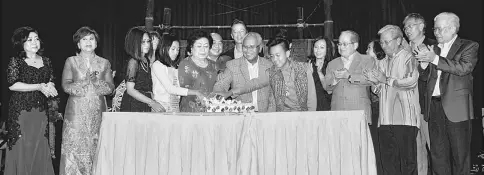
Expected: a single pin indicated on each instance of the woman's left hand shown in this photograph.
(51, 88)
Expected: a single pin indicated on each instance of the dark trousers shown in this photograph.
(398, 149)
(450, 143)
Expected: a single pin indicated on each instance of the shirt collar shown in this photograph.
(396, 54)
(448, 44)
(350, 58)
(253, 65)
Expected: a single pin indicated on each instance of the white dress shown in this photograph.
(166, 88)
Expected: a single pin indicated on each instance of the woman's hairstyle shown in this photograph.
(280, 38)
(162, 51)
(81, 33)
(154, 33)
(329, 51)
(196, 35)
(20, 35)
(377, 49)
(132, 43)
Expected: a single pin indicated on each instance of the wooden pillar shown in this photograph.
(150, 6)
(300, 22)
(328, 22)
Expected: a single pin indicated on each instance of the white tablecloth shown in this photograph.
(296, 143)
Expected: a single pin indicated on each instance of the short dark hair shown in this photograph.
(19, 37)
(238, 21)
(154, 33)
(81, 33)
(196, 35)
(162, 53)
(280, 38)
(329, 51)
(377, 49)
(415, 16)
(132, 42)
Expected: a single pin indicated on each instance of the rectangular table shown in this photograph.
(293, 143)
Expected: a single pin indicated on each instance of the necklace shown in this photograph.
(34, 60)
(144, 66)
(200, 63)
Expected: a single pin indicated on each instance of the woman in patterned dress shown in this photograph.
(195, 71)
(166, 88)
(87, 78)
(30, 79)
(138, 94)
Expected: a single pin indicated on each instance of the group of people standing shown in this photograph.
(412, 82)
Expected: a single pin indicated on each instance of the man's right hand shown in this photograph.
(226, 94)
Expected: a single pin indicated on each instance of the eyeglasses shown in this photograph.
(344, 44)
(440, 29)
(382, 43)
(249, 47)
(410, 26)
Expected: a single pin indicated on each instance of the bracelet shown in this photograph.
(151, 103)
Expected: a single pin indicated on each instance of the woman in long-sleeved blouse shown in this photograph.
(31, 80)
(87, 78)
(195, 71)
(166, 88)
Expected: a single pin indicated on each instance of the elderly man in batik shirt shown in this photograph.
(395, 81)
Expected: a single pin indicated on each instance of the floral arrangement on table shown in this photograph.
(219, 104)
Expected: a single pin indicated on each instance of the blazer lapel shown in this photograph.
(244, 69)
(444, 80)
(453, 49)
(356, 61)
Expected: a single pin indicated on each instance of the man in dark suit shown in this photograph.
(448, 97)
(414, 28)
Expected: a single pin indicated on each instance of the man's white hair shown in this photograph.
(256, 35)
(450, 17)
(393, 29)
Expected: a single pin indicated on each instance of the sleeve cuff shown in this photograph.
(436, 60)
(390, 81)
(334, 82)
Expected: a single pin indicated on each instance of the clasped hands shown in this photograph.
(424, 53)
(343, 73)
(48, 89)
(375, 76)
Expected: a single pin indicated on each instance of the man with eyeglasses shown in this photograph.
(395, 81)
(414, 28)
(448, 97)
(344, 76)
(247, 76)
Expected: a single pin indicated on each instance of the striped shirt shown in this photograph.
(399, 103)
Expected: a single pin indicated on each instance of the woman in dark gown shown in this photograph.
(196, 72)
(321, 54)
(138, 94)
(31, 81)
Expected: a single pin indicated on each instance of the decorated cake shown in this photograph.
(219, 104)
